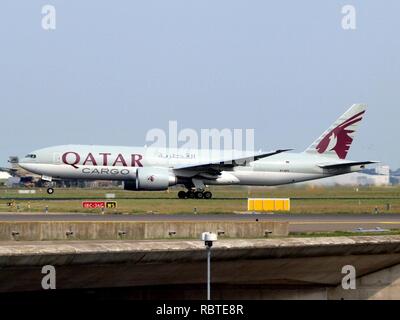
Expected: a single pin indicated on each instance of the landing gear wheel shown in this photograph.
(190, 195)
(50, 190)
(182, 195)
(207, 195)
(198, 195)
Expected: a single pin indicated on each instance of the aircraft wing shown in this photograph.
(341, 165)
(216, 167)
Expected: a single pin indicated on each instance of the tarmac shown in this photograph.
(297, 222)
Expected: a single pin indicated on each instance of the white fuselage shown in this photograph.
(121, 163)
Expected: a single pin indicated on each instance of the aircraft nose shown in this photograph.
(27, 166)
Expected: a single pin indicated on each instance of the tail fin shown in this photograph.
(336, 141)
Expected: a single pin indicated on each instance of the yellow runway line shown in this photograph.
(345, 222)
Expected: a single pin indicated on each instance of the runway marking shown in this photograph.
(345, 222)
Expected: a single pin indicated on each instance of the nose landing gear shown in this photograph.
(47, 182)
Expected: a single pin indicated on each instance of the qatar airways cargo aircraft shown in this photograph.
(150, 168)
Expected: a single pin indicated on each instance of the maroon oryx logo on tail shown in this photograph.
(339, 139)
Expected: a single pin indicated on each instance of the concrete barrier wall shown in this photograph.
(285, 268)
(137, 230)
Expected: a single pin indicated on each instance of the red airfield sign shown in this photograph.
(99, 204)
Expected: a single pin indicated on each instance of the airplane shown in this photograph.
(26, 178)
(151, 168)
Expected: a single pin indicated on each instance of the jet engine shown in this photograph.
(151, 178)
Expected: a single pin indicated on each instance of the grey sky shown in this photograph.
(112, 70)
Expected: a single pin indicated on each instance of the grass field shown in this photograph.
(226, 200)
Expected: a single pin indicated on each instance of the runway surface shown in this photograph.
(298, 222)
(19, 198)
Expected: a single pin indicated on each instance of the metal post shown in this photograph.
(208, 238)
(208, 273)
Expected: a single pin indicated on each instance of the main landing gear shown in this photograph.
(194, 194)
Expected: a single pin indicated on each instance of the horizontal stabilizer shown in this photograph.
(344, 164)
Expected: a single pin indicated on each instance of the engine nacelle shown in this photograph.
(151, 178)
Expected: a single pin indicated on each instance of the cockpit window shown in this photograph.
(32, 156)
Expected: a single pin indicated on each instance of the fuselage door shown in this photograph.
(285, 166)
(56, 158)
